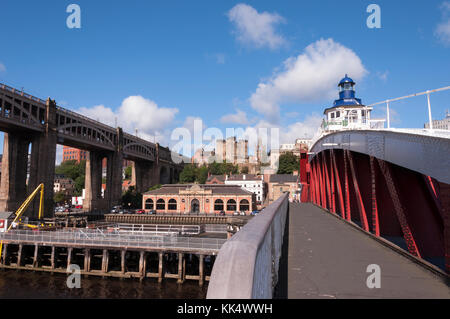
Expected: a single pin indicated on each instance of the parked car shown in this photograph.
(255, 212)
(222, 213)
(79, 207)
(140, 211)
(242, 213)
(116, 210)
(236, 213)
(152, 212)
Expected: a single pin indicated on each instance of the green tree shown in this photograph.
(216, 168)
(131, 198)
(79, 185)
(201, 174)
(288, 163)
(128, 172)
(74, 170)
(188, 175)
(244, 170)
(59, 197)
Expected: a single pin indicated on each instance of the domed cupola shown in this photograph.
(347, 93)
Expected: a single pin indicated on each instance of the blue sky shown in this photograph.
(172, 61)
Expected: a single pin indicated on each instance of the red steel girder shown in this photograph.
(375, 218)
(333, 193)
(399, 210)
(432, 188)
(313, 183)
(347, 189)
(338, 185)
(321, 182)
(327, 180)
(359, 200)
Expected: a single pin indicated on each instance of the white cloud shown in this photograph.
(2, 67)
(134, 113)
(311, 76)
(99, 113)
(442, 31)
(256, 29)
(240, 117)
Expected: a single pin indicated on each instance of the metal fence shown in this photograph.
(103, 239)
(216, 228)
(154, 229)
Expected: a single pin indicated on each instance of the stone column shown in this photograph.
(93, 182)
(43, 156)
(141, 177)
(13, 189)
(113, 192)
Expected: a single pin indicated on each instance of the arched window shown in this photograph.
(231, 205)
(160, 204)
(218, 204)
(149, 203)
(244, 205)
(172, 204)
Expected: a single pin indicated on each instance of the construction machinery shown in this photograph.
(18, 221)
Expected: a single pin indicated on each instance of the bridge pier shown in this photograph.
(142, 175)
(43, 157)
(113, 192)
(13, 187)
(93, 182)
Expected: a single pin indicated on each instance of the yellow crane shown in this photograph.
(24, 207)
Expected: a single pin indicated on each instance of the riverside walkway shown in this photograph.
(328, 258)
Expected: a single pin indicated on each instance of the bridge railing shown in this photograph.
(99, 238)
(20, 92)
(247, 264)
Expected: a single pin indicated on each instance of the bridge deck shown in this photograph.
(328, 259)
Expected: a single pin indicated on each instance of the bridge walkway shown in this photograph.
(327, 258)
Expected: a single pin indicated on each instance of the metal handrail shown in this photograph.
(112, 240)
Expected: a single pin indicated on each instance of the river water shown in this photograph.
(28, 284)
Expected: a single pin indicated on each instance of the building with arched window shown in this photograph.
(195, 198)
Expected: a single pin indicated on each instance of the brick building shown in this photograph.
(209, 199)
(281, 183)
(71, 153)
(64, 184)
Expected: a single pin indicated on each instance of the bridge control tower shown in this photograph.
(348, 112)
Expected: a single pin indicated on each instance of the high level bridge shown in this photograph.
(26, 120)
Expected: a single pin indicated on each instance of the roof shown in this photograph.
(218, 177)
(346, 79)
(283, 178)
(248, 177)
(217, 189)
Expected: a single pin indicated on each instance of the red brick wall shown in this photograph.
(206, 202)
